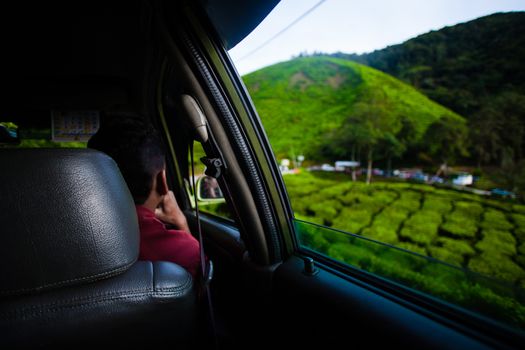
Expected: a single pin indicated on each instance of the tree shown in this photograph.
(446, 139)
(485, 133)
(371, 127)
(498, 129)
(390, 147)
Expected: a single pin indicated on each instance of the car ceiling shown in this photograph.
(235, 19)
(51, 48)
(78, 55)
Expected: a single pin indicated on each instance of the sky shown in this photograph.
(353, 26)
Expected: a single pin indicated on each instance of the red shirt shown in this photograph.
(158, 243)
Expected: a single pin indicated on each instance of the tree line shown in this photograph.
(477, 69)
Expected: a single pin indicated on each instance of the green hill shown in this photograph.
(476, 69)
(458, 65)
(316, 105)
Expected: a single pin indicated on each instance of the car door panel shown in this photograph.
(348, 312)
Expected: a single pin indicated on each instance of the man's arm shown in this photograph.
(169, 212)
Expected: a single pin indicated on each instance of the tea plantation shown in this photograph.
(463, 229)
(471, 232)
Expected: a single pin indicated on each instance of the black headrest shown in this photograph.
(66, 217)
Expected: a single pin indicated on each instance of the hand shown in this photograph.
(169, 212)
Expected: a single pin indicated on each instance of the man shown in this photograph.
(138, 151)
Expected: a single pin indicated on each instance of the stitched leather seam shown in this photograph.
(173, 291)
(23, 314)
(134, 294)
(66, 282)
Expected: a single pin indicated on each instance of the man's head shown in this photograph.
(137, 149)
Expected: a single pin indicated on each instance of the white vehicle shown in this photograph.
(342, 165)
(327, 167)
(463, 180)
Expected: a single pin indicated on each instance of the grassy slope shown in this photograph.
(303, 100)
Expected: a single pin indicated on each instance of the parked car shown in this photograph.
(499, 192)
(463, 179)
(327, 167)
(269, 289)
(419, 176)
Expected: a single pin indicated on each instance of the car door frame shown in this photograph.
(338, 294)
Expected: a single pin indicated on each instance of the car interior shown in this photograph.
(69, 228)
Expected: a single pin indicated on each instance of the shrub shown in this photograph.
(319, 243)
(497, 243)
(411, 195)
(424, 218)
(326, 210)
(520, 233)
(520, 259)
(458, 228)
(452, 195)
(399, 186)
(456, 246)
(299, 206)
(432, 277)
(352, 220)
(521, 249)
(446, 255)
(333, 237)
(320, 238)
(423, 235)
(518, 219)
(499, 205)
(350, 197)
(391, 218)
(500, 305)
(468, 209)
(312, 237)
(368, 203)
(303, 190)
(497, 266)
(470, 197)
(336, 190)
(406, 204)
(380, 233)
(437, 204)
(307, 218)
(495, 219)
(352, 254)
(412, 247)
(384, 197)
(423, 188)
(519, 208)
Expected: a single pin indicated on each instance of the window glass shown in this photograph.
(400, 136)
(483, 294)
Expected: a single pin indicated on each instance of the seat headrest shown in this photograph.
(66, 217)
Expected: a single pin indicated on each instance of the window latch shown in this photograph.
(309, 267)
(214, 166)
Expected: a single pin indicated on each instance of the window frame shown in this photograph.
(235, 92)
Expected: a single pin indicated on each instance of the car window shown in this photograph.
(403, 159)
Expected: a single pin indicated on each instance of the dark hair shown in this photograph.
(135, 146)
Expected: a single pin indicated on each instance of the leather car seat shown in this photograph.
(68, 251)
